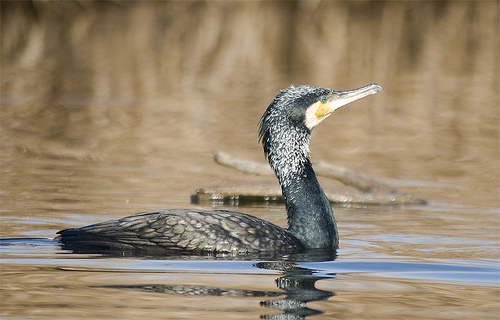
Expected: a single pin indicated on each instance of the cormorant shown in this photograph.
(284, 131)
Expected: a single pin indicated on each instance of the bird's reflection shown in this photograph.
(297, 284)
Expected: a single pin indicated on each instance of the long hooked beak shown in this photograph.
(335, 100)
(341, 98)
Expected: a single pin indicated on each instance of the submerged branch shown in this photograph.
(373, 190)
(361, 181)
(252, 193)
(248, 166)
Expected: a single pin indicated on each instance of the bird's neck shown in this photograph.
(310, 215)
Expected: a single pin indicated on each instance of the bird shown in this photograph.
(284, 132)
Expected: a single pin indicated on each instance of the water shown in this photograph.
(108, 110)
(359, 285)
(436, 261)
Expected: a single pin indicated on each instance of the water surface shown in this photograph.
(111, 108)
(436, 261)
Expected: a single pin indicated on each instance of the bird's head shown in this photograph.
(300, 109)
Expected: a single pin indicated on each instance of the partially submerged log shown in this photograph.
(361, 181)
(254, 193)
(371, 189)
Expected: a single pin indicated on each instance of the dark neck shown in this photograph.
(310, 215)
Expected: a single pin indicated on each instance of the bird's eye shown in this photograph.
(323, 99)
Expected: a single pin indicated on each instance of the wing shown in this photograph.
(184, 230)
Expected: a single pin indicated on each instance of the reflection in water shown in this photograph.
(298, 284)
(384, 288)
(193, 290)
(300, 290)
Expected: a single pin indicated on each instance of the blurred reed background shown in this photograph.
(69, 68)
